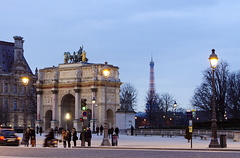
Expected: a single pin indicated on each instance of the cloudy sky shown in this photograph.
(179, 34)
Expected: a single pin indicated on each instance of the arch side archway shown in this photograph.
(67, 106)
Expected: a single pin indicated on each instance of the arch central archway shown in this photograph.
(67, 106)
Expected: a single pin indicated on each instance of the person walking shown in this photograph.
(101, 130)
(88, 136)
(132, 129)
(64, 138)
(188, 135)
(40, 130)
(75, 138)
(69, 138)
(26, 137)
(33, 137)
(97, 130)
(37, 128)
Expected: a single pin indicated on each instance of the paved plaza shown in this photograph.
(150, 142)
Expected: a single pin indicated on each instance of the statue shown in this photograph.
(84, 59)
(65, 57)
(78, 56)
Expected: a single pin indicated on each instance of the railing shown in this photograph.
(180, 132)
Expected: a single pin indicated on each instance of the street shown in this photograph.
(19, 152)
(128, 147)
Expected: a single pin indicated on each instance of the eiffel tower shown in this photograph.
(151, 91)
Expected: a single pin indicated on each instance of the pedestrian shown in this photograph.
(40, 130)
(97, 130)
(88, 136)
(101, 130)
(110, 132)
(188, 135)
(116, 131)
(37, 128)
(49, 137)
(83, 137)
(33, 137)
(60, 130)
(75, 138)
(64, 137)
(132, 129)
(26, 137)
(69, 138)
(56, 131)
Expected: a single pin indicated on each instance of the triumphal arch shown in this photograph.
(61, 88)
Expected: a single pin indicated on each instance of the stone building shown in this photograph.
(14, 97)
(60, 90)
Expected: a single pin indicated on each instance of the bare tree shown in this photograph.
(128, 97)
(233, 95)
(152, 109)
(203, 94)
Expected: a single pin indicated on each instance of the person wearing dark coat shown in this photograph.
(88, 136)
(69, 138)
(188, 136)
(101, 130)
(75, 138)
(33, 137)
(97, 130)
(27, 137)
(49, 137)
(37, 128)
(40, 130)
(116, 130)
(132, 129)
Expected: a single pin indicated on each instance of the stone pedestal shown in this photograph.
(124, 120)
(54, 123)
(236, 136)
(78, 125)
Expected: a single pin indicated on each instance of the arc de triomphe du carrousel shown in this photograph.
(61, 88)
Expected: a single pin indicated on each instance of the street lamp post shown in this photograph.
(25, 81)
(106, 74)
(214, 141)
(174, 107)
(93, 117)
(67, 118)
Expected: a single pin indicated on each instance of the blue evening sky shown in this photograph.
(179, 34)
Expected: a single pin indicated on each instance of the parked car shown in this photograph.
(9, 137)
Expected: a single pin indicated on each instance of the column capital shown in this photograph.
(39, 92)
(54, 90)
(94, 88)
(77, 89)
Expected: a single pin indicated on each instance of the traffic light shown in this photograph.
(81, 119)
(83, 104)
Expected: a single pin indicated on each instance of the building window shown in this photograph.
(15, 105)
(5, 104)
(5, 87)
(15, 88)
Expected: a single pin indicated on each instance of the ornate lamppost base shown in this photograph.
(214, 144)
(105, 142)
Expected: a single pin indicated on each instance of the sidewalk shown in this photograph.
(150, 142)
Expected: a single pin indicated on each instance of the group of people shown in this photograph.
(111, 131)
(29, 135)
(66, 136)
(39, 130)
